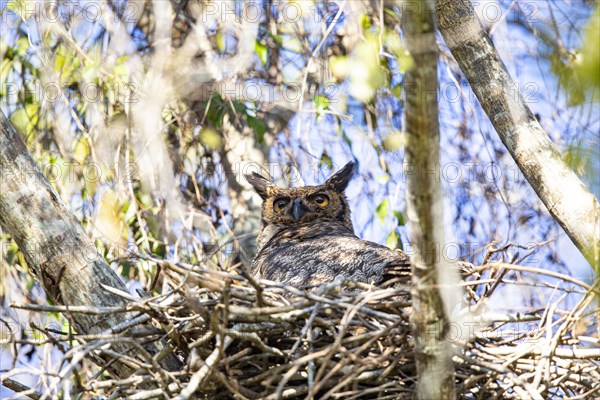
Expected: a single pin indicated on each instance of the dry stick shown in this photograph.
(572, 353)
(503, 370)
(338, 344)
(305, 329)
(546, 359)
(535, 270)
(359, 350)
(574, 369)
(586, 395)
(151, 364)
(350, 312)
(199, 376)
(73, 309)
(20, 388)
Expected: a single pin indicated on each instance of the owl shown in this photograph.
(307, 238)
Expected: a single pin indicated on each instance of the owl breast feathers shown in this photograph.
(307, 238)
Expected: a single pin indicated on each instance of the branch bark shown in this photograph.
(425, 207)
(55, 246)
(564, 195)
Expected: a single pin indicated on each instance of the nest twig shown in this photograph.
(343, 340)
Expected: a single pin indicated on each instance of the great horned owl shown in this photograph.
(306, 236)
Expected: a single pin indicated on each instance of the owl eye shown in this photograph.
(279, 204)
(320, 199)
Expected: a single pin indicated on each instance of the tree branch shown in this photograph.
(566, 197)
(55, 246)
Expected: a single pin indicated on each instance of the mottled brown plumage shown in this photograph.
(306, 237)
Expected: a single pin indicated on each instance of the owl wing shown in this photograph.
(325, 256)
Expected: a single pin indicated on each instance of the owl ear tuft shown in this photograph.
(339, 181)
(260, 184)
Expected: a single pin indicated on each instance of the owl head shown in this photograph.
(307, 204)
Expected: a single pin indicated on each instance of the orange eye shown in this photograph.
(320, 199)
(279, 204)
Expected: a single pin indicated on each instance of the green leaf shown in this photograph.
(278, 39)
(261, 51)
(4, 70)
(339, 66)
(382, 210)
(120, 70)
(59, 61)
(393, 43)
(366, 72)
(130, 212)
(578, 158)
(55, 315)
(365, 22)
(400, 217)
(393, 241)
(393, 141)
(392, 14)
(321, 103)
(12, 253)
(22, 45)
(326, 160)
(17, 6)
(345, 137)
(588, 61)
(145, 200)
(3, 50)
(211, 139)
(383, 178)
(238, 107)
(258, 126)
(216, 112)
(215, 102)
(30, 284)
(220, 41)
(82, 150)
(24, 119)
(576, 95)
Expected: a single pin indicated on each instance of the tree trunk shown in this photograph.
(55, 246)
(425, 207)
(566, 197)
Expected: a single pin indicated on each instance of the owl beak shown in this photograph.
(298, 209)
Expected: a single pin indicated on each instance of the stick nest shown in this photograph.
(238, 338)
